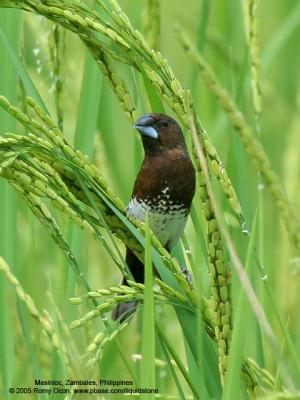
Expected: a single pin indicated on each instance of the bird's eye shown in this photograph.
(165, 124)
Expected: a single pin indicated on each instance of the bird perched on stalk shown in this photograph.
(164, 188)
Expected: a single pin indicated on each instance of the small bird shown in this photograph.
(164, 188)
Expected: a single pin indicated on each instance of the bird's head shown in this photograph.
(159, 132)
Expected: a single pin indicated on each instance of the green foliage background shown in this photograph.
(94, 121)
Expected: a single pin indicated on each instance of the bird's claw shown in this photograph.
(187, 274)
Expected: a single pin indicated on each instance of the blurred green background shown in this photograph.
(95, 123)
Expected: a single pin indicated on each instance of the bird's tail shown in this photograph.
(124, 310)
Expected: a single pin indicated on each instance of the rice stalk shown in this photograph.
(65, 164)
(118, 294)
(95, 349)
(44, 321)
(251, 24)
(134, 51)
(147, 61)
(253, 300)
(56, 47)
(151, 19)
(251, 143)
(155, 67)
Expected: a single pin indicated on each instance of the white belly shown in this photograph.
(166, 225)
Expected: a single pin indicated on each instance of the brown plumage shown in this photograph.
(164, 188)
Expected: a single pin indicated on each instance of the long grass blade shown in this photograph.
(148, 341)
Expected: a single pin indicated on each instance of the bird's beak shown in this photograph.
(145, 126)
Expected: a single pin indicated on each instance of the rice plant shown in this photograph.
(75, 75)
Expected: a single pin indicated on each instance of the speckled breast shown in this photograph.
(166, 218)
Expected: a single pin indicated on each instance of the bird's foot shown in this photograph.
(187, 274)
(124, 310)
